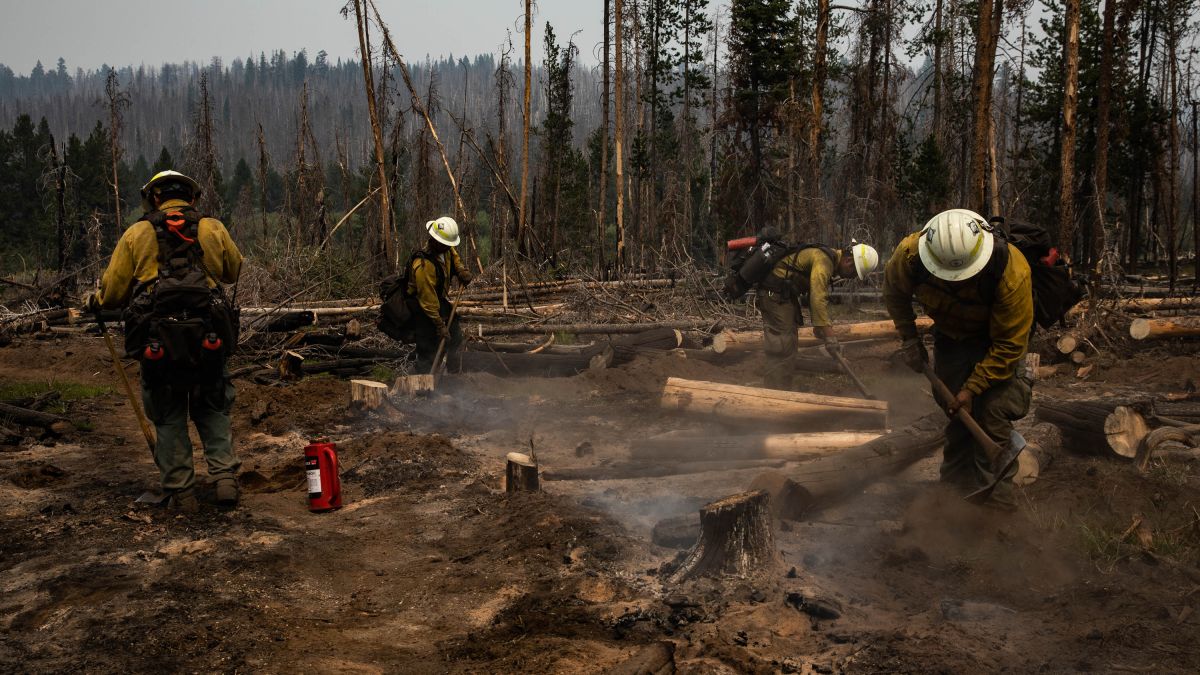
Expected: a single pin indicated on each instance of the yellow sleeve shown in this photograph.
(456, 263)
(221, 256)
(424, 287)
(819, 278)
(119, 277)
(1010, 326)
(898, 288)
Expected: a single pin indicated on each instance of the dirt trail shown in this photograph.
(432, 568)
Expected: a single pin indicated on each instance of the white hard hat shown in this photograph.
(163, 178)
(866, 259)
(445, 230)
(956, 244)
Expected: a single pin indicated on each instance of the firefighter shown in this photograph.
(175, 248)
(810, 270)
(977, 289)
(429, 274)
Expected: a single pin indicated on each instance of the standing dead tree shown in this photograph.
(619, 140)
(117, 102)
(523, 223)
(264, 162)
(419, 106)
(202, 151)
(386, 247)
(991, 13)
(1066, 199)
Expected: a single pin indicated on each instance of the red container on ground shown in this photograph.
(324, 485)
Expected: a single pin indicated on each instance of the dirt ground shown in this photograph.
(431, 567)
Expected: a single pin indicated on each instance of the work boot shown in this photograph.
(184, 501)
(228, 492)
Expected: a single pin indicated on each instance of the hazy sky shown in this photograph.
(90, 33)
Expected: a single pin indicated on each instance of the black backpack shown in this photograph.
(395, 310)
(1054, 291)
(751, 266)
(177, 325)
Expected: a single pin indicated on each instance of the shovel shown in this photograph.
(1001, 461)
(410, 385)
(124, 377)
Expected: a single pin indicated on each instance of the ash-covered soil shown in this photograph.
(432, 567)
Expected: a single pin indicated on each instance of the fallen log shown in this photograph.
(529, 365)
(341, 365)
(643, 469)
(1082, 423)
(1156, 441)
(770, 446)
(753, 340)
(588, 328)
(538, 312)
(824, 481)
(56, 424)
(312, 311)
(751, 405)
(1153, 329)
(735, 539)
(1184, 411)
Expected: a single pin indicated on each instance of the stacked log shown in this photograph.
(675, 446)
(529, 365)
(1086, 427)
(1154, 329)
(738, 341)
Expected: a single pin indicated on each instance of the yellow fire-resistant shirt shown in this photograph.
(960, 315)
(810, 271)
(135, 259)
(423, 280)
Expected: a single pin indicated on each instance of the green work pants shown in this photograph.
(965, 464)
(423, 334)
(781, 319)
(208, 404)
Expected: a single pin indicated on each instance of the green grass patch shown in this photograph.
(67, 392)
(384, 374)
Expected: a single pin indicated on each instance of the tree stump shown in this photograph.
(413, 385)
(367, 394)
(291, 366)
(521, 473)
(735, 539)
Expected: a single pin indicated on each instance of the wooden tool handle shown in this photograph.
(841, 360)
(943, 392)
(124, 377)
(437, 360)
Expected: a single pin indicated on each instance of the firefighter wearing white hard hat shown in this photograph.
(978, 290)
(807, 271)
(430, 270)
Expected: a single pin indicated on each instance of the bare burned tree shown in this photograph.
(264, 163)
(523, 224)
(117, 102)
(1066, 200)
(202, 151)
(386, 248)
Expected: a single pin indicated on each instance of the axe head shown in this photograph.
(1006, 462)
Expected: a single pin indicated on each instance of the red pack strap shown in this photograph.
(175, 222)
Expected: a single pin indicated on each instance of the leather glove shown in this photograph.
(443, 332)
(915, 356)
(833, 346)
(465, 277)
(91, 303)
(961, 402)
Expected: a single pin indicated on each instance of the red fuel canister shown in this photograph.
(740, 244)
(324, 485)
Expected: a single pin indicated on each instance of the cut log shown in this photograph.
(751, 405)
(1046, 372)
(734, 341)
(290, 321)
(1078, 357)
(1073, 340)
(771, 446)
(633, 470)
(353, 330)
(824, 481)
(1082, 422)
(1151, 329)
(521, 473)
(304, 311)
(529, 365)
(1124, 429)
(1043, 442)
(735, 539)
(1184, 411)
(56, 424)
(367, 394)
(539, 312)
(589, 328)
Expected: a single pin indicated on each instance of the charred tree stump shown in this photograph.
(521, 473)
(291, 366)
(735, 539)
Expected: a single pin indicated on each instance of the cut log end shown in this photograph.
(1078, 357)
(735, 539)
(1125, 429)
(521, 473)
(413, 385)
(1139, 329)
(1067, 344)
